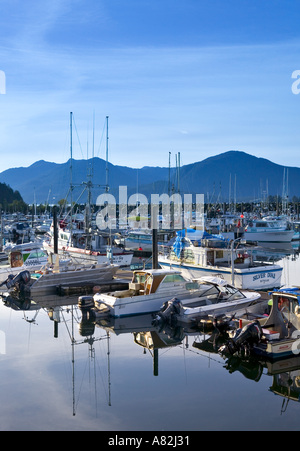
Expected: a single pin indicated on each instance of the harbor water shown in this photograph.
(58, 373)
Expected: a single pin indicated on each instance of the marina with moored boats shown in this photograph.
(209, 289)
(203, 315)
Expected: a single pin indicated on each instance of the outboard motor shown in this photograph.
(86, 305)
(86, 302)
(223, 324)
(168, 313)
(244, 339)
(18, 281)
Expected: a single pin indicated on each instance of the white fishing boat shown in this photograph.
(220, 300)
(31, 245)
(87, 247)
(197, 254)
(18, 231)
(268, 231)
(23, 257)
(150, 289)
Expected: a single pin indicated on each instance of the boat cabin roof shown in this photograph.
(292, 293)
(156, 272)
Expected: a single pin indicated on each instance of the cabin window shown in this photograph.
(148, 284)
(16, 259)
(139, 278)
(260, 224)
(173, 278)
(36, 254)
(283, 304)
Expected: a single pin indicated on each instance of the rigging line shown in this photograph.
(64, 204)
(204, 355)
(72, 339)
(103, 378)
(184, 359)
(81, 194)
(101, 139)
(78, 138)
(81, 384)
(95, 382)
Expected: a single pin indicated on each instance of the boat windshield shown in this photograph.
(231, 293)
(221, 292)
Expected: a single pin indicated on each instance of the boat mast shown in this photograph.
(71, 157)
(178, 174)
(169, 182)
(71, 172)
(106, 187)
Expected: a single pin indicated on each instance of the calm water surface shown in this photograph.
(108, 382)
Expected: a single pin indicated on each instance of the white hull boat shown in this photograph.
(230, 301)
(117, 256)
(267, 232)
(150, 289)
(212, 257)
(86, 248)
(265, 277)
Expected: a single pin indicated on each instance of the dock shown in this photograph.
(120, 282)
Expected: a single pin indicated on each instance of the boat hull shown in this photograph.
(221, 309)
(137, 305)
(120, 258)
(284, 236)
(277, 349)
(253, 278)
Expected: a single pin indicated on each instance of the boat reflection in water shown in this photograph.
(285, 372)
(152, 339)
(62, 310)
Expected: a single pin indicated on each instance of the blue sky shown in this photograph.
(190, 76)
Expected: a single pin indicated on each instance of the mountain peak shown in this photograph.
(215, 177)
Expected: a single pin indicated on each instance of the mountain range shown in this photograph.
(227, 176)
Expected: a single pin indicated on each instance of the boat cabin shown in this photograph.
(210, 253)
(285, 312)
(264, 225)
(28, 258)
(147, 282)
